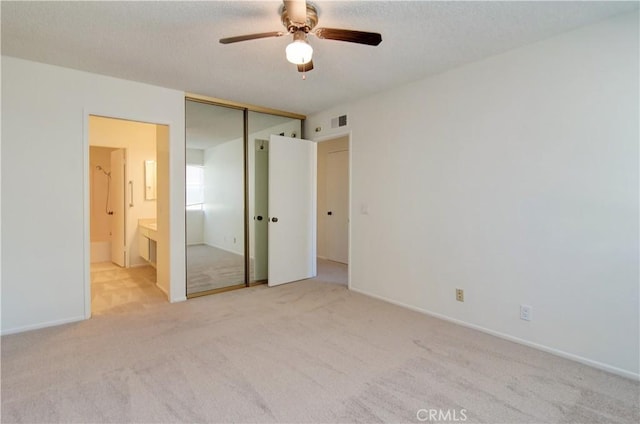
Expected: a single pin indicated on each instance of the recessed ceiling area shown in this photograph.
(175, 44)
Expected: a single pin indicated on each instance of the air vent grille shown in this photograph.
(340, 121)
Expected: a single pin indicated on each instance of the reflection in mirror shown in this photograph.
(214, 198)
(215, 194)
(149, 179)
(261, 126)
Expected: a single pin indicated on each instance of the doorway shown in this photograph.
(122, 197)
(333, 207)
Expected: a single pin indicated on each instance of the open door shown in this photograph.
(117, 194)
(292, 210)
(337, 199)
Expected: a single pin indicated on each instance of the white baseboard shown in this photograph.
(586, 361)
(180, 299)
(42, 325)
(222, 248)
(162, 289)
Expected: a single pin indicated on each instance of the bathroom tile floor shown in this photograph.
(116, 290)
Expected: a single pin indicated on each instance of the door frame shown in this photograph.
(86, 188)
(125, 211)
(335, 136)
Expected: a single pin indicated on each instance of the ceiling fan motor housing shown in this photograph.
(307, 26)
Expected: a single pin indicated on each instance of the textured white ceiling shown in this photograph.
(175, 44)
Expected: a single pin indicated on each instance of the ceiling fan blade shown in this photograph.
(297, 10)
(247, 37)
(360, 37)
(306, 67)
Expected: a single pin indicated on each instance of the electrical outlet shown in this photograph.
(460, 295)
(525, 312)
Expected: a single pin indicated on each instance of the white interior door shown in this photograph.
(337, 237)
(117, 195)
(292, 209)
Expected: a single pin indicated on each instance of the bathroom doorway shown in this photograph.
(122, 193)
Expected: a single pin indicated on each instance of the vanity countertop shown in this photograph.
(149, 224)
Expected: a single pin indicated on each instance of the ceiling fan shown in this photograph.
(300, 19)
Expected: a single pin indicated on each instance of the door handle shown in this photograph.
(329, 213)
(274, 219)
(259, 217)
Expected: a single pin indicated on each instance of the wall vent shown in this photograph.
(340, 121)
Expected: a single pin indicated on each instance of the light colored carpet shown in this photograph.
(306, 352)
(211, 268)
(332, 272)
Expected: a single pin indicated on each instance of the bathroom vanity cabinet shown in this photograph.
(147, 240)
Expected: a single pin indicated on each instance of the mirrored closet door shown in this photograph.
(215, 212)
(227, 194)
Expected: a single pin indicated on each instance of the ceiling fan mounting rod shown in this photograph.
(307, 26)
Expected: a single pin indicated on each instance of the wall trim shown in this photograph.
(585, 361)
(87, 112)
(40, 325)
(222, 248)
(162, 290)
(238, 105)
(178, 299)
(340, 134)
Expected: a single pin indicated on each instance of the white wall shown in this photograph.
(139, 140)
(224, 196)
(516, 179)
(195, 218)
(194, 157)
(45, 235)
(170, 268)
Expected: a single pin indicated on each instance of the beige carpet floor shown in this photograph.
(211, 268)
(305, 352)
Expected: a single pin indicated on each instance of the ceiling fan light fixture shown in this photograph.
(300, 18)
(299, 52)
